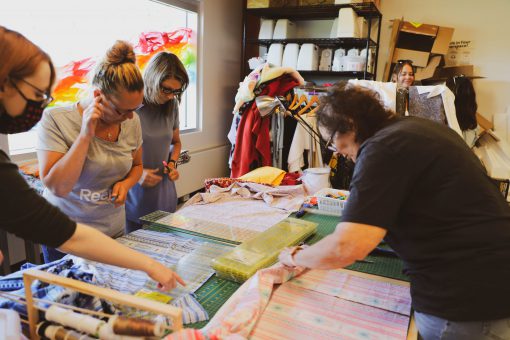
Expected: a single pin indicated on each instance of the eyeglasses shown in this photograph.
(124, 111)
(46, 97)
(405, 61)
(167, 90)
(330, 144)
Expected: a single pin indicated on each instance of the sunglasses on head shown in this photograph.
(405, 61)
(167, 90)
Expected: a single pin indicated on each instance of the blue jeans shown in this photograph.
(433, 328)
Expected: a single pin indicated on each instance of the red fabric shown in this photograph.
(252, 142)
(291, 178)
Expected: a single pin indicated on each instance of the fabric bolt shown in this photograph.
(252, 147)
(89, 201)
(304, 141)
(158, 124)
(420, 105)
(448, 99)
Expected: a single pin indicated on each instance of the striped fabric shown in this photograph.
(381, 294)
(278, 303)
(188, 257)
(297, 313)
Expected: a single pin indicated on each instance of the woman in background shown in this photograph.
(165, 80)
(403, 74)
(90, 152)
(26, 78)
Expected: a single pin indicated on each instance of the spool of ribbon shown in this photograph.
(81, 322)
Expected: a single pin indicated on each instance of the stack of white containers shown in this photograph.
(306, 57)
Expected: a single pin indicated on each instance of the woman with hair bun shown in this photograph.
(90, 152)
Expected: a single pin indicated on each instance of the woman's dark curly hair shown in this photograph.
(465, 101)
(352, 108)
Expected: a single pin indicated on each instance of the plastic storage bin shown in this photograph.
(331, 204)
(263, 250)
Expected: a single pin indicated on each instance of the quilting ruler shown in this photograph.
(213, 230)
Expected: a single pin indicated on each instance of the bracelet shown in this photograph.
(293, 252)
(173, 161)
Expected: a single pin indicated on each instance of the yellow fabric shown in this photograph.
(265, 175)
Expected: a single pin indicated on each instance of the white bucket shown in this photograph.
(315, 179)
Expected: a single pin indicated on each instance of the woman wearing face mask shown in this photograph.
(26, 78)
(90, 152)
(165, 80)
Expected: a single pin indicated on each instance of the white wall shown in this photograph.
(219, 72)
(485, 23)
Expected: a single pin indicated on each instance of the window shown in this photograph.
(75, 33)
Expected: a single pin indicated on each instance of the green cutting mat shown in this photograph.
(215, 292)
(384, 266)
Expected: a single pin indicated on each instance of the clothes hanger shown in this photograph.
(313, 100)
(294, 100)
(302, 100)
(313, 112)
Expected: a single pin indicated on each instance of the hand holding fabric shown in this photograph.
(150, 178)
(286, 256)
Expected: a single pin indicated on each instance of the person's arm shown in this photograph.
(349, 242)
(174, 156)
(121, 188)
(93, 245)
(60, 171)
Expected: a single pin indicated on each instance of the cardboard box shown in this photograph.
(270, 3)
(442, 41)
(419, 58)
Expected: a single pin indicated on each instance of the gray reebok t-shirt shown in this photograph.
(89, 201)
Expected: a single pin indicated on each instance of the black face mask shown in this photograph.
(24, 122)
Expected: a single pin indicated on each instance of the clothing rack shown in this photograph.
(172, 313)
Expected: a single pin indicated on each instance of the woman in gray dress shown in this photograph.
(165, 80)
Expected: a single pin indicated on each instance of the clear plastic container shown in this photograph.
(263, 250)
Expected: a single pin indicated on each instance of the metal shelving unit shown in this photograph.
(251, 25)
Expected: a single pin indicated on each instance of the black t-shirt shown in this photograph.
(445, 218)
(26, 214)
